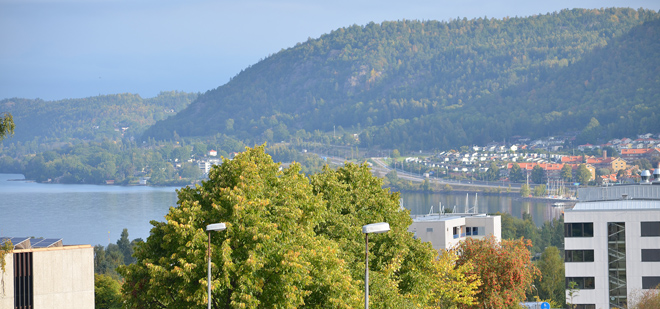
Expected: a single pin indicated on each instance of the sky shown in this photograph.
(58, 49)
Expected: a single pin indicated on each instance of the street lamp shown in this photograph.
(375, 228)
(209, 229)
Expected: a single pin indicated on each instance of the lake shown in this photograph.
(96, 214)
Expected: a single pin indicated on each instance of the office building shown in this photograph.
(612, 243)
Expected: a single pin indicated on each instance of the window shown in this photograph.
(650, 282)
(579, 256)
(650, 255)
(579, 229)
(651, 229)
(583, 283)
(23, 297)
(475, 231)
(429, 230)
(468, 231)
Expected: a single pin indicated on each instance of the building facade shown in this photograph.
(49, 275)
(445, 231)
(612, 244)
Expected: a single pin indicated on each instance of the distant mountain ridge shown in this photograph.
(93, 118)
(435, 85)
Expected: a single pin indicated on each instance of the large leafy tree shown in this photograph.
(566, 172)
(538, 174)
(291, 241)
(504, 268)
(515, 174)
(583, 174)
(493, 172)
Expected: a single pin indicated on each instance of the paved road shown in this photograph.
(383, 168)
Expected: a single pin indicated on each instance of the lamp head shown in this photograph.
(216, 227)
(376, 228)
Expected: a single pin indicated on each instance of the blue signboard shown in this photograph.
(545, 305)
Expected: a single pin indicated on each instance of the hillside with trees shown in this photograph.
(436, 85)
(90, 119)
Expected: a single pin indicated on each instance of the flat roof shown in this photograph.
(617, 205)
(448, 217)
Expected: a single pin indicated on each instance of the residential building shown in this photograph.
(445, 231)
(613, 164)
(612, 244)
(43, 273)
(643, 153)
(205, 165)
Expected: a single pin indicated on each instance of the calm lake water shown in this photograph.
(91, 214)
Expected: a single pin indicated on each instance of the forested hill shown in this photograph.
(93, 118)
(425, 85)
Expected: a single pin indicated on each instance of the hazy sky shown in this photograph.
(55, 49)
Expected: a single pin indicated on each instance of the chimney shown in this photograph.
(604, 154)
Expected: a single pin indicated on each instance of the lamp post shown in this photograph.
(375, 228)
(209, 229)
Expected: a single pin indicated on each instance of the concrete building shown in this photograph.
(42, 273)
(445, 231)
(612, 243)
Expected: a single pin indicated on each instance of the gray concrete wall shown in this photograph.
(64, 277)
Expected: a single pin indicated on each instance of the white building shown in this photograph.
(612, 243)
(42, 273)
(445, 231)
(206, 165)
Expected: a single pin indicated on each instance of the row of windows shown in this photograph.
(586, 229)
(583, 283)
(579, 256)
(588, 283)
(648, 255)
(579, 229)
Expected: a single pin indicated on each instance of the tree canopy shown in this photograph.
(291, 241)
(504, 267)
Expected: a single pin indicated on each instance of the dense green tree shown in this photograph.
(125, 247)
(493, 172)
(516, 173)
(538, 174)
(566, 172)
(107, 294)
(551, 284)
(289, 241)
(540, 190)
(583, 174)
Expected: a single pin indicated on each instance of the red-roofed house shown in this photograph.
(643, 153)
